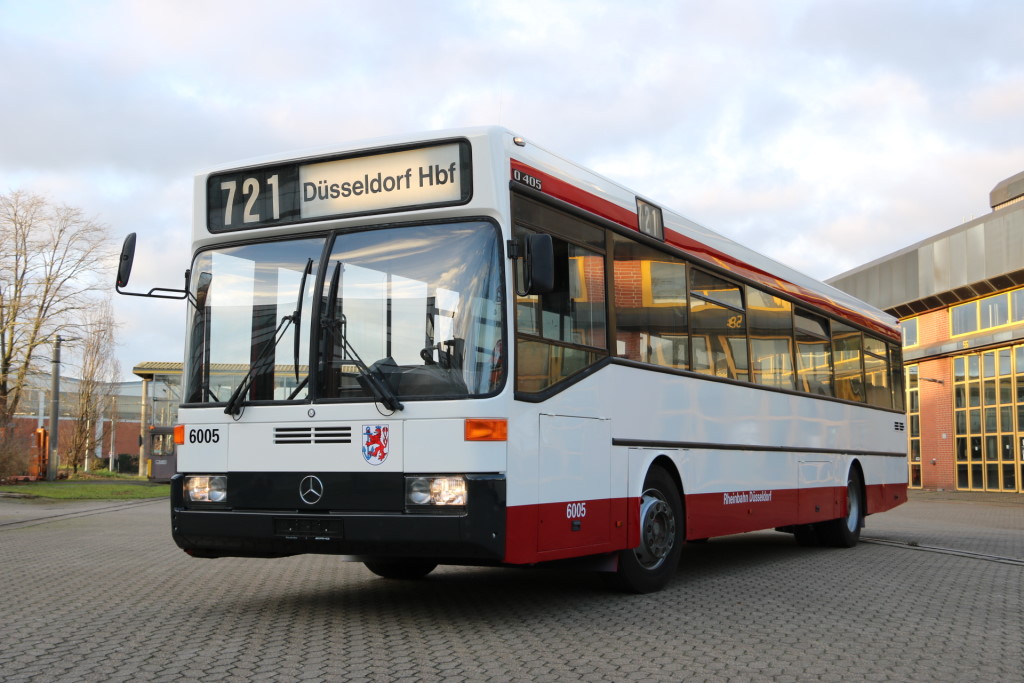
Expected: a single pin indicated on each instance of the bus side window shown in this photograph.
(847, 353)
(718, 326)
(651, 312)
(558, 324)
(896, 371)
(813, 354)
(770, 324)
(876, 373)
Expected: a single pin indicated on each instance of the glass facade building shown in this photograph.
(960, 298)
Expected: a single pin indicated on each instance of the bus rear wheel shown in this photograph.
(845, 531)
(407, 569)
(651, 565)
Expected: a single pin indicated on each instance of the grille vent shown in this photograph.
(312, 435)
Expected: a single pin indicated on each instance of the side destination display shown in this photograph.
(435, 175)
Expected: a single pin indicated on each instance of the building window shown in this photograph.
(909, 328)
(1017, 304)
(995, 311)
(992, 311)
(988, 418)
(964, 318)
(914, 435)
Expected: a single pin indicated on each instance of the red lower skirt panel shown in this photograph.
(882, 497)
(721, 514)
(556, 531)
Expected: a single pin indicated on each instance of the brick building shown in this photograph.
(960, 298)
(119, 434)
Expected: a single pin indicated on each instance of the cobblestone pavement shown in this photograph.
(968, 522)
(106, 596)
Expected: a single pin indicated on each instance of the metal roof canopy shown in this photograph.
(980, 257)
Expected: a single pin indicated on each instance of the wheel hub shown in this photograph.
(657, 529)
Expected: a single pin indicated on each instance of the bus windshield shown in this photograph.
(420, 307)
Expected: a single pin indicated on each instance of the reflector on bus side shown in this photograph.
(486, 429)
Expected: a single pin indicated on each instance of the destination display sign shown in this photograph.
(435, 175)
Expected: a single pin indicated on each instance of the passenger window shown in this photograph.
(770, 325)
(876, 373)
(846, 348)
(718, 329)
(896, 373)
(813, 354)
(650, 305)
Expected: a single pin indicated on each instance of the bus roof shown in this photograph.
(568, 182)
(596, 194)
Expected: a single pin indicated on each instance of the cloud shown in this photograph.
(825, 134)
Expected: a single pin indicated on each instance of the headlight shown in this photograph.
(435, 491)
(207, 489)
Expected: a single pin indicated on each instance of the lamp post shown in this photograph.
(51, 462)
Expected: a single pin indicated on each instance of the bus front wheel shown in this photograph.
(401, 569)
(651, 565)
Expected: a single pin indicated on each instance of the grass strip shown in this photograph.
(76, 490)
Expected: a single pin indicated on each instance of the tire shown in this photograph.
(845, 531)
(406, 570)
(652, 564)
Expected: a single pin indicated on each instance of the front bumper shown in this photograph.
(351, 525)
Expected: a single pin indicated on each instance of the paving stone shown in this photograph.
(106, 596)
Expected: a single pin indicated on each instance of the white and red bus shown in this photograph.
(463, 349)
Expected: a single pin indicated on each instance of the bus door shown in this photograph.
(574, 482)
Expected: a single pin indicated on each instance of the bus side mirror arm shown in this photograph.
(124, 272)
(534, 256)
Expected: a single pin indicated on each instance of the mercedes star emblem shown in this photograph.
(311, 490)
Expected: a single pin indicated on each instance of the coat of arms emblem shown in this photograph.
(375, 443)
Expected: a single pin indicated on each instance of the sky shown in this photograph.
(825, 134)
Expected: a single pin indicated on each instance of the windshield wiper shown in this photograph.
(297, 315)
(234, 405)
(380, 389)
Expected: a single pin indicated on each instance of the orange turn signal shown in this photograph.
(486, 429)
(179, 434)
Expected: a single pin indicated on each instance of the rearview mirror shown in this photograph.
(203, 289)
(124, 265)
(535, 267)
(124, 272)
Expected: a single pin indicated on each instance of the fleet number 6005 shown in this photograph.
(204, 436)
(576, 510)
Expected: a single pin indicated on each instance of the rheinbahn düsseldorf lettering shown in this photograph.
(747, 497)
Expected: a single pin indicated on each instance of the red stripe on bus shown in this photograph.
(555, 531)
(882, 497)
(569, 193)
(721, 514)
(541, 533)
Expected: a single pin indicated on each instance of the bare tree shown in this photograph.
(98, 369)
(52, 259)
